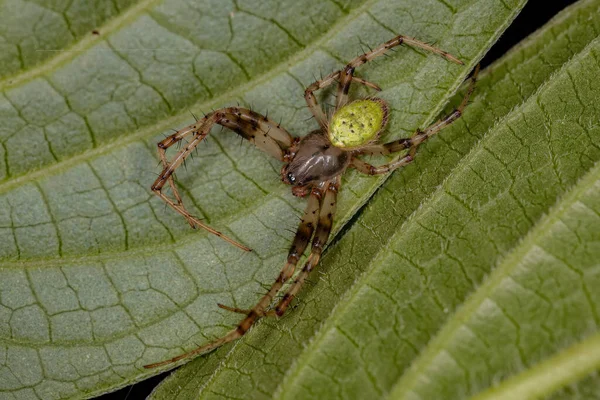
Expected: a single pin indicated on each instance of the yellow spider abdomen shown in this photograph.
(358, 123)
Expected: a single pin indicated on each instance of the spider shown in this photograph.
(313, 166)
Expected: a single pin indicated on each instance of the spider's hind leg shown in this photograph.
(322, 232)
(308, 222)
(312, 217)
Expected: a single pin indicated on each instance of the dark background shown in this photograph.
(535, 14)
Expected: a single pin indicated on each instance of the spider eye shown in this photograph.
(291, 177)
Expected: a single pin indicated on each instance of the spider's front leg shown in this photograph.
(414, 141)
(264, 133)
(345, 76)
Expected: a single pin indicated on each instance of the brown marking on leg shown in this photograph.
(388, 148)
(265, 125)
(397, 41)
(234, 309)
(261, 131)
(369, 169)
(305, 229)
(322, 232)
(303, 235)
(414, 141)
(345, 80)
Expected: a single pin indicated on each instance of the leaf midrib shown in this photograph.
(569, 365)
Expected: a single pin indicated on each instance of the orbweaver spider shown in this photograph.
(313, 166)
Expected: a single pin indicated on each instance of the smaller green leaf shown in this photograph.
(566, 367)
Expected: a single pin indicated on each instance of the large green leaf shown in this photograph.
(478, 262)
(97, 279)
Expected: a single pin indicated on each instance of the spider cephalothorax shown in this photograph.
(320, 156)
(313, 166)
(314, 159)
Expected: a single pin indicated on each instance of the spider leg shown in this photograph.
(320, 239)
(245, 311)
(366, 83)
(163, 145)
(414, 141)
(264, 133)
(299, 244)
(369, 169)
(346, 74)
(234, 309)
(303, 234)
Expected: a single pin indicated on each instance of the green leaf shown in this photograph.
(97, 279)
(472, 265)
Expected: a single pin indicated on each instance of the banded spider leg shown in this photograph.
(345, 76)
(317, 219)
(414, 141)
(264, 133)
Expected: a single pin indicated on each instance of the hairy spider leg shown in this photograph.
(414, 141)
(163, 145)
(345, 76)
(366, 83)
(264, 133)
(322, 232)
(325, 223)
(305, 230)
(310, 219)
